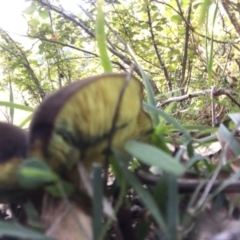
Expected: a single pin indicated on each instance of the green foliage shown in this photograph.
(154, 157)
(35, 173)
(143, 194)
(155, 31)
(101, 38)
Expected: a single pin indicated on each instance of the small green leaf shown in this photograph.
(55, 191)
(176, 19)
(34, 173)
(34, 23)
(30, 10)
(44, 14)
(153, 156)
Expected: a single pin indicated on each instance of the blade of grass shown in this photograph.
(150, 94)
(32, 215)
(26, 120)
(172, 206)
(210, 59)
(170, 119)
(235, 117)
(101, 38)
(16, 230)
(97, 200)
(12, 101)
(225, 184)
(143, 194)
(206, 40)
(17, 106)
(153, 156)
(204, 9)
(123, 189)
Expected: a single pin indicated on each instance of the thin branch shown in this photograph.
(234, 20)
(187, 34)
(188, 185)
(168, 80)
(217, 93)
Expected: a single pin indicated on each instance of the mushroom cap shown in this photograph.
(85, 119)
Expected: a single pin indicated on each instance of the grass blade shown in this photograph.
(16, 106)
(12, 101)
(150, 94)
(172, 206)
(205, 6)
(101, 38)
(170, 119)
(143, 194)
(16, 230)
(26, 120)
(153, 156)
(97, 200)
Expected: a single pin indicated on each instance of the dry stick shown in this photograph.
(186, 44)
(217, 93)
(188, 185)
(155, 45)
(225, 66)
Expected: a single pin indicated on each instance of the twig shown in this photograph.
(217, 93)
(187, 34)
(162, 64)
(189, 185)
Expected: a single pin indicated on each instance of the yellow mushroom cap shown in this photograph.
(82, 120)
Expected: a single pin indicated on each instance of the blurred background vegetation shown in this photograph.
(57, 45)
